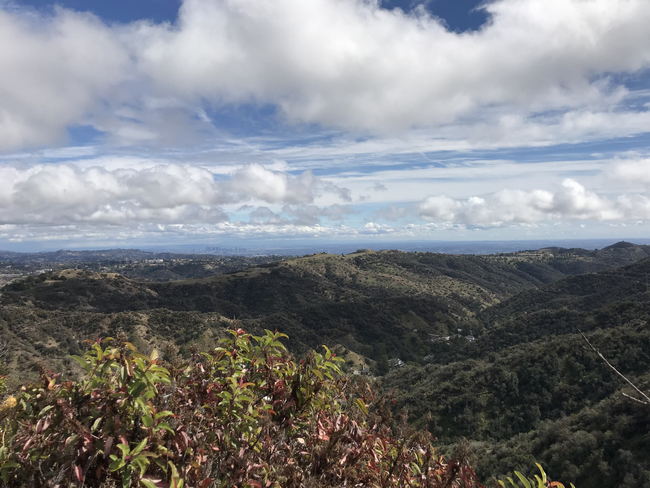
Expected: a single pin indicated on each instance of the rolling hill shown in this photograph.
(490, 343)
(530, 388)
(377, 304)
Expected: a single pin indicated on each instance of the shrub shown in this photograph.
(537, 481)
(245, 414)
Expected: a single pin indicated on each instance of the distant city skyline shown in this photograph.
(278, 122)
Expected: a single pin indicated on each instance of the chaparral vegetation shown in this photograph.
(245, 414)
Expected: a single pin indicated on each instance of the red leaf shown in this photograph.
(78, 472)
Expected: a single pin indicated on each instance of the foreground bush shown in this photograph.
(244, 415)
(540, 480)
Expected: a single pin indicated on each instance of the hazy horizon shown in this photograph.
(302, 247)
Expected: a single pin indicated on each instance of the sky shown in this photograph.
(159, 122)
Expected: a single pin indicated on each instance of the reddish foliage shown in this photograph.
(244, 415)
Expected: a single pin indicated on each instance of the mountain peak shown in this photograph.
(621, 245)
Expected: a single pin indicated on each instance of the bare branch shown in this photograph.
(635, 399)
(646, 400)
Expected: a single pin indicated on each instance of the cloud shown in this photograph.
(382, 71)
(170, 193)
(394, 212)
(264, 215)
(347, 64)
(632, 171)
(510, 207)
(299, 214)
(101, 235)
(56, 71)
(312, 214)
(374, 228)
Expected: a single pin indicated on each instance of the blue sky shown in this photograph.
(459, 15)
(160, 121)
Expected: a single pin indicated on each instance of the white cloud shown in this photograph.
(272, 187)
(299, 214)
(351, 64)
(506, 207)
(635, 171)
(339, 63)
(55, 72)
(375, 228)
(170, 193)
(540, 73)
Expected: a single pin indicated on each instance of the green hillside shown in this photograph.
(381, 305)
(490, 344)
(531, 377)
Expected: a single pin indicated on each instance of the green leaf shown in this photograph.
(96, 423)
(163, 414)
(176, 481)
(142, 462)
(362, 406)
(137, 449)
(541, 470)
(100, 352)
(83, 362)
(116, 463)
(165, 426)
(125, 450)
(45, 410)
(148, 483)
(523, 479)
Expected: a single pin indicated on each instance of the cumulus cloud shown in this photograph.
(347, 64)
(55, 72)
(170, 193)
(506, 207)
(384, 70)
(632, 170)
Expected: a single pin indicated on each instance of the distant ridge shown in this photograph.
(620, 245)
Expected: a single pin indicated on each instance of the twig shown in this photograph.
(634, 398)
(636, 388)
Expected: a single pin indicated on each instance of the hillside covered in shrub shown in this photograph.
(530, 387)
(379, 305)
